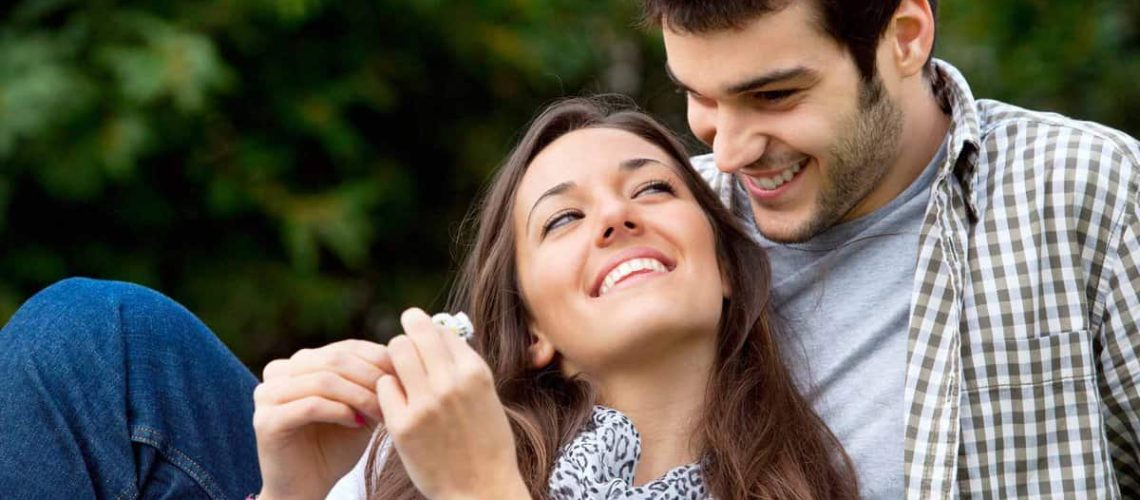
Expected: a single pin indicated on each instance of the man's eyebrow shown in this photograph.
(777, 76)
(676, 81)
(554, 191)
(758, 82)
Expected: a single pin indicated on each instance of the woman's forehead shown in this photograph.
(583, 154)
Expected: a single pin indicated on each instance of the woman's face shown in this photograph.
(616, 259)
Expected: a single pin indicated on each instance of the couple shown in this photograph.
(959, 279)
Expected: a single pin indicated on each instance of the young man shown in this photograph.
(962, 274)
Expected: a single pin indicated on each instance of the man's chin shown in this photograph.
(791, 231)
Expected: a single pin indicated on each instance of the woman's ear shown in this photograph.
(541, 350)
(725, 284)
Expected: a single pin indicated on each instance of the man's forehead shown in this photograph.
(778, 42)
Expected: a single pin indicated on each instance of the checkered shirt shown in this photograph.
(1023, 372)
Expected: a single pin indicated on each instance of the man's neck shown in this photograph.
(923, 128)
(925, 125)
(665, 402)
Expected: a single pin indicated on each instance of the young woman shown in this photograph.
(623, 348)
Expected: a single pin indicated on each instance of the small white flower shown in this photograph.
(458, 323)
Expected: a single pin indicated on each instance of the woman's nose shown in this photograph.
(616, 231)
(626, 224)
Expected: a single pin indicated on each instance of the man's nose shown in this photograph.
(737, 143)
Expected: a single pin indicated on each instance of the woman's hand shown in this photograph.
(444, 417)
(314, 414)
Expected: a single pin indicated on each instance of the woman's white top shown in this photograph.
(598, 464)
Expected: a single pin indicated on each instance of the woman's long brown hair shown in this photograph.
(760, 438)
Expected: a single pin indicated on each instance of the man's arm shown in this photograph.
(1119, 339)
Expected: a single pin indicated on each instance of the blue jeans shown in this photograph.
(111, 390)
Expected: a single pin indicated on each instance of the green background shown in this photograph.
(295, 171)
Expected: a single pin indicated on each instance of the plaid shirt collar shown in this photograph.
(965, 129)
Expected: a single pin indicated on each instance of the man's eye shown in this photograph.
(775, 95)
(560, 219)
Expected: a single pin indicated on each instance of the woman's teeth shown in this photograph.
(779, 179)
(630, 267)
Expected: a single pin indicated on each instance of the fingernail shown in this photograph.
(359, 420)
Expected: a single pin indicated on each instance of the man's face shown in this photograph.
(784, 108)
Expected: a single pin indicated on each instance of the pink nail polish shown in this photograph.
(359, 420)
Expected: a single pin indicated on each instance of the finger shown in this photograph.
(458, 346)
(409, 367)
(277, 368)
(429, 344)
(393, 400)
(338, 359)
(327, 385)
(371, 352)
(469, 365)
(305, 411)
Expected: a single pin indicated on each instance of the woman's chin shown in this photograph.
(656, 325)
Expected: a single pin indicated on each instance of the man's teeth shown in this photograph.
(627, 268)
(780, 178)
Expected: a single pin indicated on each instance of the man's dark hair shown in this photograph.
(856, 25)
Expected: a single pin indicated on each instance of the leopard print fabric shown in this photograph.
(600, 463)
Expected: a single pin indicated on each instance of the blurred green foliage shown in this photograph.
(294, 170)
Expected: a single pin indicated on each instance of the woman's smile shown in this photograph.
(622, 269)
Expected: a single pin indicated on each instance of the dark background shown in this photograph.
(294, 171)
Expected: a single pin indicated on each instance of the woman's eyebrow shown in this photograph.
(636, 163)
(625, 166)
(554, 191)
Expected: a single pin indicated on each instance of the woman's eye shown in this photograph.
(655, 186)
(560, 219)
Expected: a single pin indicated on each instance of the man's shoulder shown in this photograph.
(703, 163)
(1004, 126)
(720, 182)
(1062, 153)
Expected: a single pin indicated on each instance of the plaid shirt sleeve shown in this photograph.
(1119, 359)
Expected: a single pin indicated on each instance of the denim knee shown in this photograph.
(99, 362)
(75, 312)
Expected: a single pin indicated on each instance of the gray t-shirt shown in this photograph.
(844, 297)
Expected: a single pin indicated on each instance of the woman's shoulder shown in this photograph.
(351, 486)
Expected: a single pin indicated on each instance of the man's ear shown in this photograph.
(541, 350)
(911, 35)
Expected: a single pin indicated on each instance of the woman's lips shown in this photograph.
(629, 270)
(626, 256)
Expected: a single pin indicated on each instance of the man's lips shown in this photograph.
(770, 184)
(625, 256)
(769, 173)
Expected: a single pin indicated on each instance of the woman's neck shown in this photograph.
(665, 401)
